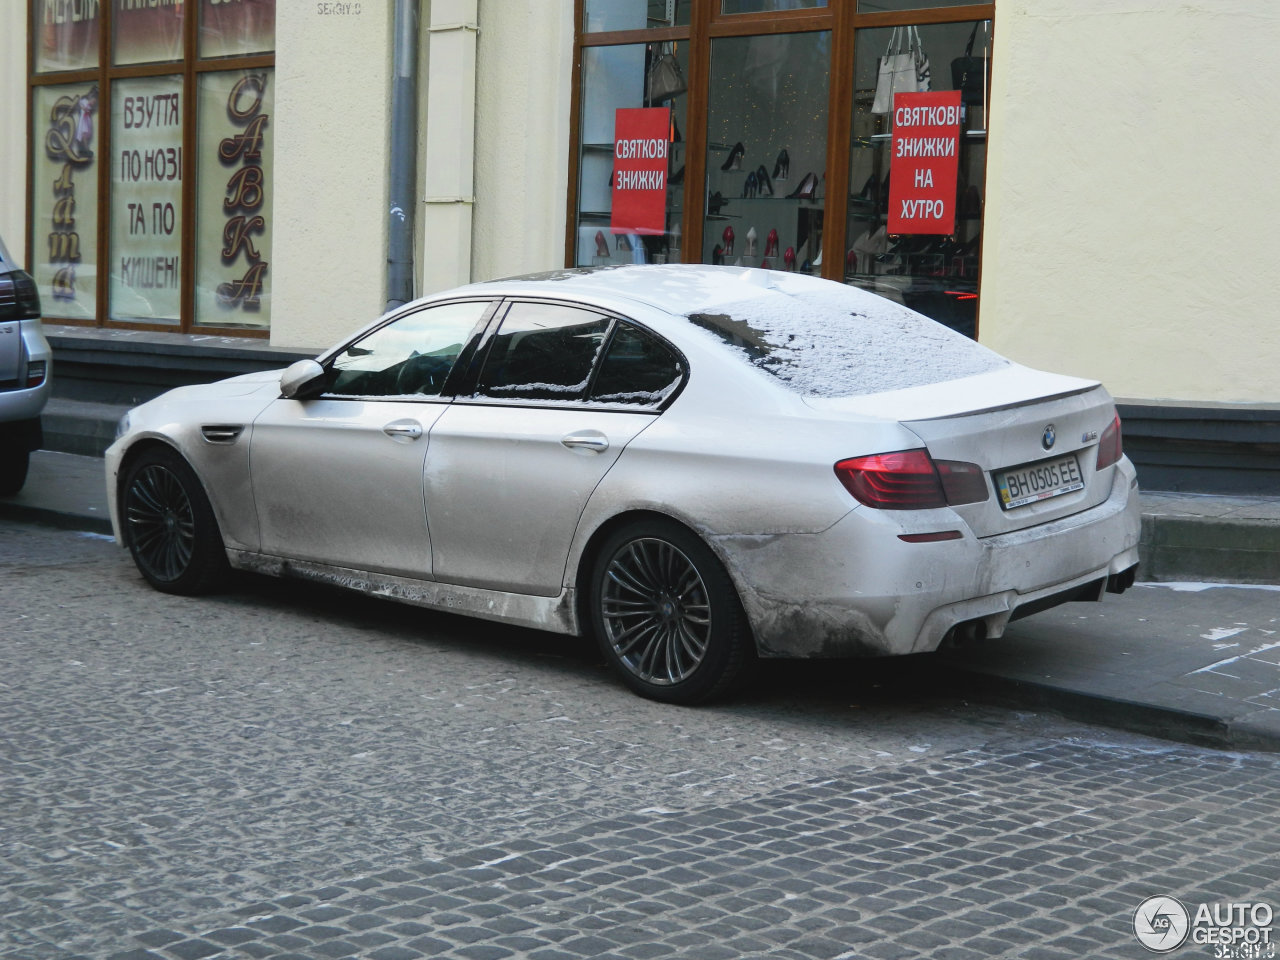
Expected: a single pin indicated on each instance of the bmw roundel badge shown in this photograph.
(1049, 438)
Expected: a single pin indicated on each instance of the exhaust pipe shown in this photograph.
(1122, 581)
(964, 634)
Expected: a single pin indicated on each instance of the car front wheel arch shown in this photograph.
(168, 523)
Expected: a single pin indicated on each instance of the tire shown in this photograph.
(666, 615)
(13, 470)
(169, 526)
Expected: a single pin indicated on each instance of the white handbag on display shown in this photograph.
(904, 71)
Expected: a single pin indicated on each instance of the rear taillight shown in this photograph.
(35, 373)
(962, 482)
(911, 480)
(1110, 447)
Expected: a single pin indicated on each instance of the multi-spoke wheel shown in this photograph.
(666, 614)
(169, 526)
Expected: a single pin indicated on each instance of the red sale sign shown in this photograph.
(926, 159)
(641, 143)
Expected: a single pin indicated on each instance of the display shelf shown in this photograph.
(877, 140)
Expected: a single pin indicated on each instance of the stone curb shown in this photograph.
(1165, 723)
(1236, 550)
(62, 519)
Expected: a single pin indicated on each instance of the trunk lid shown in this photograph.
(1031, 433)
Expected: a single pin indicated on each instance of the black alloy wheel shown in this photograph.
(169, 525)
(666, 615)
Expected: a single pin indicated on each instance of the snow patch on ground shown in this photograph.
(1188, 586)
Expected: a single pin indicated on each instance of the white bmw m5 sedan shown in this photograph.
(700, 466)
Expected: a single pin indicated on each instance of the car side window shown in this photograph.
(543, 351)
(409, 357)
(638, 369)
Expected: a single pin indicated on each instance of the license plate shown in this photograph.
(1039, 481)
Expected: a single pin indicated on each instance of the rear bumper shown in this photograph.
(856, 589)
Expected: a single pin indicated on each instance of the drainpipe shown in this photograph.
(450, 143)
(404, 154)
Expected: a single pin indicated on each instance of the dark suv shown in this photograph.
(25, 362)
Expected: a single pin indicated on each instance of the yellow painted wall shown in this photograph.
(523, 78)
(332, 111)
(1130, 223)
(13, 126)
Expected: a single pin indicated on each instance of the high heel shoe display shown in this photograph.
(717, 254)
(789, 258)
(715, 203)
(762, 181)
(771, 243)
(602, 245)
(623, 243)
(807, 190)
(750, 186)
(727, 237)
(751, 242)
(782, 166)
(734, 160)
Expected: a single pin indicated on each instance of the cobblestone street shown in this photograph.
(282, 771)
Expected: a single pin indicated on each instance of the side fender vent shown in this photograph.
(221, 432)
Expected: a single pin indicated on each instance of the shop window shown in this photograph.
(237, 29)
(917, 240)
(767, 150)
(146, 200)
(599, 16)
(893, 6)
(130, 169)
(768, 6)
(233, 199)
(66, 35)
(649, 174)
(771, 177)
(64, 204)
(146, 32)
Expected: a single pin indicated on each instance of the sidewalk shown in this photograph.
(1184, 658)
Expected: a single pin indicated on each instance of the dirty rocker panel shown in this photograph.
(555, 614)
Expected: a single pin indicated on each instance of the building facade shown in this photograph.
(1102, 200)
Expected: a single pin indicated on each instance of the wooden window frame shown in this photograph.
(190, 68)
(707, 23)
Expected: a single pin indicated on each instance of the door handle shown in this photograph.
(590, 442)
(403, 431)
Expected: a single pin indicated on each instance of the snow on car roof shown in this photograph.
(817, 337)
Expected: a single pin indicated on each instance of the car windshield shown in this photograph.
(843, 343)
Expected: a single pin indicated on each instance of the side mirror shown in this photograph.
(302, 380)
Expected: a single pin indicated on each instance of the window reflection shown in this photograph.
(601, 15)
(543, 352)
(409, 357)
(768, 6)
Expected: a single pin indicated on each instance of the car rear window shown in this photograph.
(843, 343)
